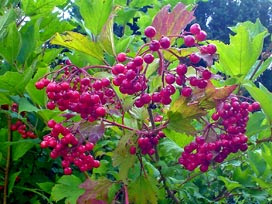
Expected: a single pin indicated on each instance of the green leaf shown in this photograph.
(30, 37)
(180, 139)
(5, 20)
(255, 124)
(15, 82)
(78, 42)
(10, 44)
(180, 52)
(67, 187)
(37, 96)
(21, 147)
(95, 13)
(264, 97)
(230, 185)
(152, 68)
(46, 186)
(143, 191)
(25, 105)
(105, 38)
(123, 43)
(33, 7)
(122, 158)
(237, 58)
(12, 179)
(257, 163)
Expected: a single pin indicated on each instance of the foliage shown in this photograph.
(35, 40)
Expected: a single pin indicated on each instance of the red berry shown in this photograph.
(204, 168)
(39, 85)
(132, 150)
(193, 81)
(154, 45)
(194, 58)
(189, 40)
(201, 36)
(170, 78)
(211, 49)
(121, 57)
(96, 163)
(100, 111)
(186, 91)
(206, 74)
(195, 29)
(150, 32)
(67, 171)
(105, 82)
(148, 58)
(181, 69)
(165, 42)
(215, 116)
(202, 84)
(138, 60)
(50, 105)
(256, 106)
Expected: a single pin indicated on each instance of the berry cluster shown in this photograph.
(79, 93)
(64, 144)
(22, 130)
(147, 143)
(232, 118)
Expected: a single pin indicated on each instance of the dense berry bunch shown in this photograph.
(64, 144)
(231, 117)
(147, 143)
(22, 130)
(79, 93)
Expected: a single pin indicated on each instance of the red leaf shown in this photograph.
(92, 131)
(96, 191)
(172, 23)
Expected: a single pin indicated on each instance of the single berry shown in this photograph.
(148, 58)
(132, 150)
(100, 111)
(181, 69)
(170, 78)
(121, 57)
(154, 45)
(194, 58)
(186, 91)
(206, 74)
(138, 60)
(195, 29)
(201, 36)
(165, 42)
(189, 40)
(211, 49)
(150, 32)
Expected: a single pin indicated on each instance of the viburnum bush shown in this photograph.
(168, 116)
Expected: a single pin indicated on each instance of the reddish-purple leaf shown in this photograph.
(96, 192)
(172, 23)
(92, 131)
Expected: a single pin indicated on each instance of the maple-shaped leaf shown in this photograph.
(182, 113)
(92, 131)
(96, 191)
(143, 191)
(172, 23)
(122, 158)
(213, 96)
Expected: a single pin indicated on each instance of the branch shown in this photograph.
(126, 194)
(7, 162)
(119, 125)
(169, 192)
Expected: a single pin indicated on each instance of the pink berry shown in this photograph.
(206, 74)
(150, 32)
(195, 29)
(121, 57)
(211, 49)
(201, 36)
(186, 91)
(132, 150)
(194, 58)
(181, 69)
(154, 45)
(170, 78)
(189, 40)
(67, 171)
(165, 42)
(148, 58)
(100, 111)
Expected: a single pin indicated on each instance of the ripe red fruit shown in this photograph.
(189, 40)
(202, 84)
(206, 74)
(121, 57)
(154, 45)
(156, 97)
(181, 69)
(165, 42)
(204, 168)
(39, 85)
(145, 98)
(215, 116)
(105, 82)
(170, 78)
(186, 91)
(100, 111)
(211, 49)
(195, 29)
(194, 58)
(68, 62)
(50, 105)
(132, 150)
(148, 58)
(150, 32)
(118, 68)
(67, 171)
(96, 164)
(193, 81)
(201, 36)
(138, 60)
(256, 106)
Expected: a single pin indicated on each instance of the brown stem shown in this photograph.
(169, 192)
(119, 125)
(5, 197)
